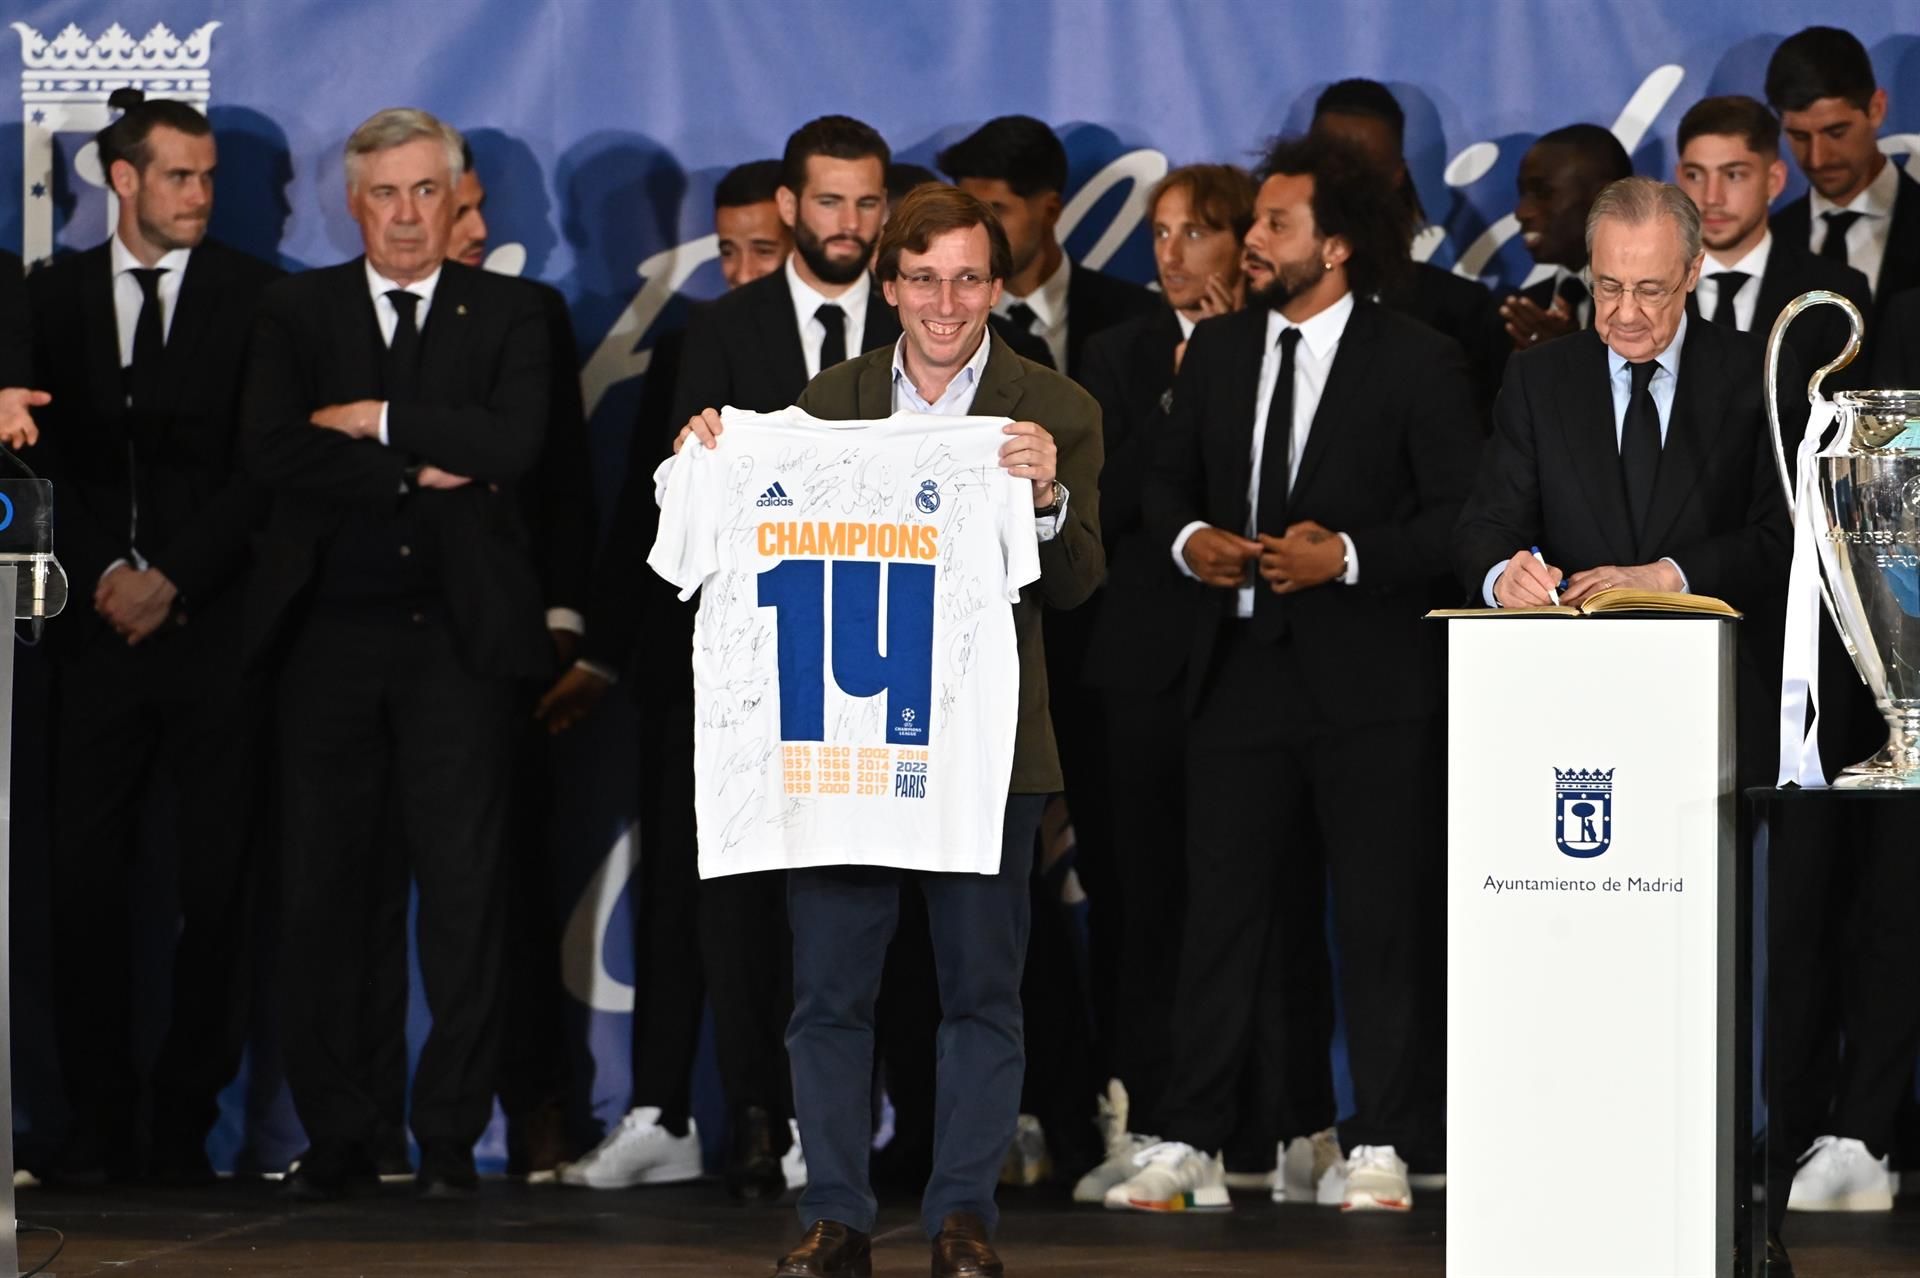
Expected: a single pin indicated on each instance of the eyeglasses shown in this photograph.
(1646, 292)
(925, 286)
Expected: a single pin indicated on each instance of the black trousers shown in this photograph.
(727, 937)
(372, 709)
(1269, 774)
(171, 707)
(533, 1067)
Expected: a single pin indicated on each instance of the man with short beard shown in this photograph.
(756, 348)
(1560, 175)
(1311, 497)
(140, 343)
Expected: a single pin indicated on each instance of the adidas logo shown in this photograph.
(774, 496)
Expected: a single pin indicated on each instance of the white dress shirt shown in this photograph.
(1187, 324)
(1747, 300)
(1867, 237)
(128, 298)
(1666, 380)
(957, 401)
(388, 318)
(813, 334)
(1312, 361)
(1049, 306)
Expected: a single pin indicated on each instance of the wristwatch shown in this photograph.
(1052, 508)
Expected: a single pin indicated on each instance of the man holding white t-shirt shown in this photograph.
(942, 261)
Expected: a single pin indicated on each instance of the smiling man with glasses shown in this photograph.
(1634, 454)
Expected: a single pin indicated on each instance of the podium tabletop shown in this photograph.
(1760, 794)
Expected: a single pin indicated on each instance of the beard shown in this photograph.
(168, 236)
(1289, 280)
(831, 270)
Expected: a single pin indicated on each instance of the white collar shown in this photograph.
(1187, 325)
(1048, 302)
(1321, 332)
(1754, 264)
(1668, 359)
(807, 299)
(379, 285)
(174, 261)
(1875, 199)
(972, 371)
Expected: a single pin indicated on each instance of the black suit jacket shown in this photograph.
(1096, 302)
(481, 412)
(1899, 268)
(178, 460)
(1817, 335)
(558, 496)
(1142, 616)
(1896, 357)
(1464, 310)
(1388, 461)
(1551, 478)
(16, 330)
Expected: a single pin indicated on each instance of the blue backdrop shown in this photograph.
(600, 127)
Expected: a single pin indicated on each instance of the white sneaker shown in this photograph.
(793, 1163)
(1376, 1180)
(638, 1151)
(1028, 1162)
(1172, 1176)
(1304, 1164)
(1838, 1174)
(1121, 1146)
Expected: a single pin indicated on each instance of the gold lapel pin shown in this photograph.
(461, 309)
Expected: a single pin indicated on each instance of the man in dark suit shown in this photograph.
(1560, 175)
(1730, 167)
(1366, 115)
(394, 405)
(17, 396)
(557, 504)
(941, 263)
(1309, 497)
(1197, 216)
(140, 343)
(756, 347)
(1862, 211)
(1018, 166)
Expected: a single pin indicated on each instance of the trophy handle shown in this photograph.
(1855, 326)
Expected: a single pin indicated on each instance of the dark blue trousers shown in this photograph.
(843, 917)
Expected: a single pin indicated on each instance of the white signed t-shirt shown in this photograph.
(856, 673)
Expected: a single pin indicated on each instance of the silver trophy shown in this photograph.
(1865, 498)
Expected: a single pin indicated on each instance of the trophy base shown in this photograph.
(1896, 767)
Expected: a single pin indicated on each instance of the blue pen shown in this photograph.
(1551, 592)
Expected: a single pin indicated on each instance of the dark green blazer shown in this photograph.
(1071, 564)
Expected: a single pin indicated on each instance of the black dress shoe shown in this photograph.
(753, 1163)
(962, 1249)
(830, 1250)
(447, 1186)
(537, 1142)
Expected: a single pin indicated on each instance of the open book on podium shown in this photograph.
(1617, 601)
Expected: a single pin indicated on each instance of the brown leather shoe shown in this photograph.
(962, 1249)
(830, 1250)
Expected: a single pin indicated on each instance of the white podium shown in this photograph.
(1591, 948)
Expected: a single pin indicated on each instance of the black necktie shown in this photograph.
(149, 339)
(1640, 446)
(403, 352)
(1575, 294)
(1276, 472)
(834, 349)
(1834, 247)
(1728, 284)
(1021, 316)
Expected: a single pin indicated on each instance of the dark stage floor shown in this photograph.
(680, 1232)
